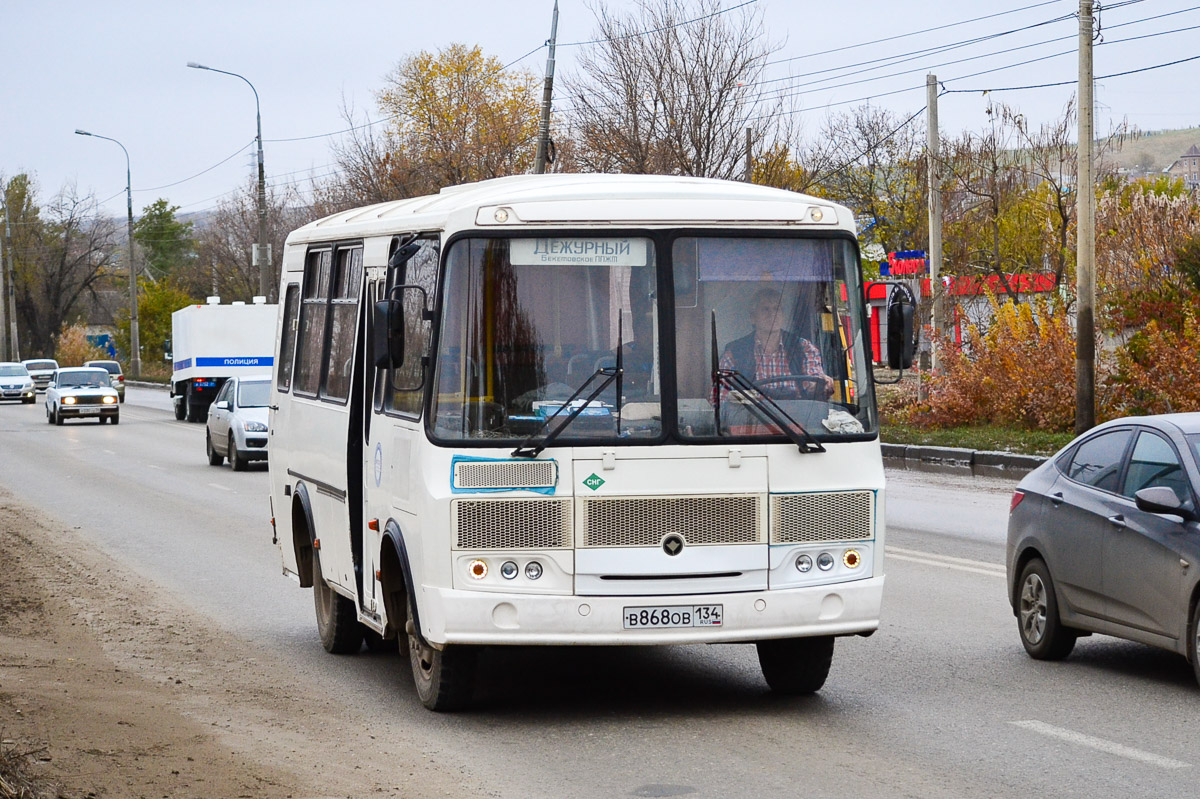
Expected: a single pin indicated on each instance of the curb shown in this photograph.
(977, 462)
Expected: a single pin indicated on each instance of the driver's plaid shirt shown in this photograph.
(775, 364)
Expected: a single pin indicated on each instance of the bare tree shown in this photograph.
(873, 161)
(670, 89)
(62, 254)
(225, 242)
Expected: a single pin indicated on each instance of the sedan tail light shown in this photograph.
(1016, 500)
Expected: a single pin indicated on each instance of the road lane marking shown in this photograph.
(1100, 744)
(945, 561)
(152, 466)
(223, 488)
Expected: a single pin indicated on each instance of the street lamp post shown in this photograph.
(135, 356)
(266, 274)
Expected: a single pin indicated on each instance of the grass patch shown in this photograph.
(997, 439)
(17, 781)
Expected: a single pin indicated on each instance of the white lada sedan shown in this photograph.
(81, 393)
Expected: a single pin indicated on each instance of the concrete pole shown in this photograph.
(749, 155)
(1085, 332)
(11, 297)
(135, 354)
(543, 145)
(4, 356)
(933, 145)
(135, 345)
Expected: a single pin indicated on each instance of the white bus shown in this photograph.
(579, 409)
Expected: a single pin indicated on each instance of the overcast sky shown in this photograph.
(118, 69)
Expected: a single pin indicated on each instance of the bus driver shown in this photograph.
(769, 352)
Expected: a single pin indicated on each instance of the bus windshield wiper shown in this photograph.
(611, 374)
(764, 406)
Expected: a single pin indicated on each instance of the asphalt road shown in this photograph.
(941, 702)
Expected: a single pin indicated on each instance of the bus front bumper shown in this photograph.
(450, 616)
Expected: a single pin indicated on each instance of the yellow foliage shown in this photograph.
(73, 348)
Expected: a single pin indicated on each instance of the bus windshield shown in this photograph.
(532, 327)
(788, 346)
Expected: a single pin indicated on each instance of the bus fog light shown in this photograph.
(803, 564)
(824, 561)
(477, 569)
(852, 559)
(533, 570)
(508, 570)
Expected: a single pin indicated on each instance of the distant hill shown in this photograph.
(1155, 151)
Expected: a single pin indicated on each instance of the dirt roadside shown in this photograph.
(118, 691)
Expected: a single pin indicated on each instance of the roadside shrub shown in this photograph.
(73, 348)
(1020, 373)
(1159, 370)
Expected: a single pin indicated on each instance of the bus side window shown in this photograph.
(287, 337)
(408, 381)
(310, 338)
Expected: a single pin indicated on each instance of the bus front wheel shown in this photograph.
(445, 678)
(795, 666)
(337, 618)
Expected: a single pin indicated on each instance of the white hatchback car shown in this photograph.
(81, 393)
(237, 422)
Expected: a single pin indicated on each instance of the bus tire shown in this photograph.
(445, 678)
(337, 618)
(796, 666)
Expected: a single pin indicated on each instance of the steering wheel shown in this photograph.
(817, 380)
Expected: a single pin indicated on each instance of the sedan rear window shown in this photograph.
(1097, 461)
(112, 367)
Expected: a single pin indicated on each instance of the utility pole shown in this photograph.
(933, 144)
(11, 297)
(543, 145)
(4, 356)
(1085, 274)
(749, 155)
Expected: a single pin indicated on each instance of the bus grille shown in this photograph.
(836, 516)
(511, 523)
(644, 521)
(505, 474)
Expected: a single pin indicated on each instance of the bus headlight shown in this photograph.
(851, 559)
(804, 564)
(825, 561)
(508, 570)
(477, 569)
(533, 570)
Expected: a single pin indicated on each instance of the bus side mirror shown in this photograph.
(900, 340)
(387, 330)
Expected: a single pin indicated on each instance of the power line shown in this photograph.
(202, 172)
(913, 33)
(1071, 82)
(663, 28)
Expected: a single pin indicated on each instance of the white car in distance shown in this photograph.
(15, 383)
(237, 422)
(81, 393)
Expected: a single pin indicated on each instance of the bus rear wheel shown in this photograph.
(445, 678)
(796, 666)
(337, 619)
